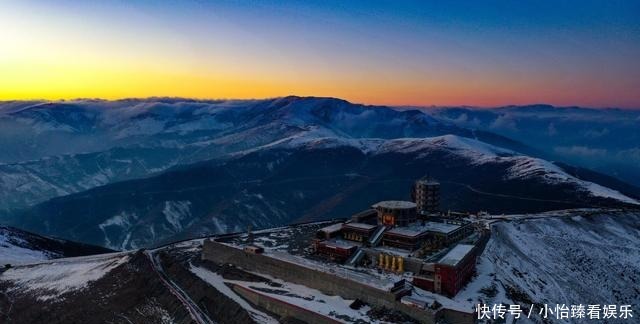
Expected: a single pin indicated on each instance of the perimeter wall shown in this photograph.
(325, 282)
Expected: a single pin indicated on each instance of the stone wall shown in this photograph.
(327, 283)
(282, 308)
(455, 317)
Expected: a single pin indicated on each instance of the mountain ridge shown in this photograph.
(107, 141)
(311, 179)
(170, 168)
(18, 247)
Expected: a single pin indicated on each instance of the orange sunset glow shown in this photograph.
(405, 55)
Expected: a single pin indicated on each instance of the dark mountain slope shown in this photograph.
(18, 246)
(310, 180)
(116, 288)
(604, 140)
(55, 149)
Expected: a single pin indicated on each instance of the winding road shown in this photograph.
(196, 313)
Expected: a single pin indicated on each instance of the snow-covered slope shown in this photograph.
(14, 249)
(476, 152)
(51, 279)
(580, 257)
(52, 149)
(20, 247)
(115, 287)
(526, 167)
(306, 177)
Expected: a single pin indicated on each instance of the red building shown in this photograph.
(449, 275)
(424, 282)
(336, 250)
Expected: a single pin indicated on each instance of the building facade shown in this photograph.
(426, 194)
(392, 213)
(334, 250)
(449, 275)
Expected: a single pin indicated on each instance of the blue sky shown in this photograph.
(388, 52)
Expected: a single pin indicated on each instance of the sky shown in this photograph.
(445, 53)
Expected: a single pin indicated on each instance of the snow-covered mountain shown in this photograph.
(567, 257)
(476, 152)
(130, 173)
(52, 149)
(306, 177)
(605, 140)
(20, 247)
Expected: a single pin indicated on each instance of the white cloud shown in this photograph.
(504, 121)
(581, 151)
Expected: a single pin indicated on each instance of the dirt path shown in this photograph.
(196, 313)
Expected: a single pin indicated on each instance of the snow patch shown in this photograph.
(218, 282)
(175, 212)
(15, 250)
(526, 167)
(122, 223)
(52, 279)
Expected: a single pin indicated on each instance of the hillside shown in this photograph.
(52, 149)
(569, 257)
(133, 173)
(117, 288)
(310, 178)
(586, 256)
(604, 140)
(19, 247)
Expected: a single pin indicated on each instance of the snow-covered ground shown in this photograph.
(217, 282)
(18, 247)
(334, 307)
(53, 278)
(14, 249)
(592, 259)
(313, 300)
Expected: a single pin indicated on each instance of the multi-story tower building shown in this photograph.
(426, 195)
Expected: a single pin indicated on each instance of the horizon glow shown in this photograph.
(375, 52)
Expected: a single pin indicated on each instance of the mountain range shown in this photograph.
(134, 173)
(605, 140)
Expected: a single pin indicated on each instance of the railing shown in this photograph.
(374, 240)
